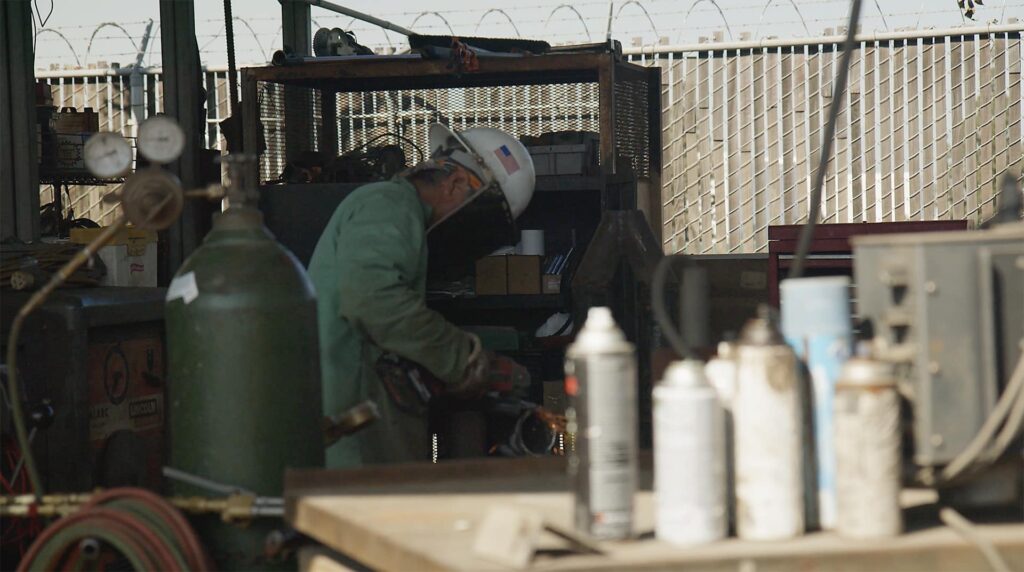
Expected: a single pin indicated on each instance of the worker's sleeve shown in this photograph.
(379, 250)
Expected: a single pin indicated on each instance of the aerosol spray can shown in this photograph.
(601, 382)
(689, 457)
(768, 423)
(721, 374)
(867, 441)
(816, 322)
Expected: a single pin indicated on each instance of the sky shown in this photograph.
(75, 34)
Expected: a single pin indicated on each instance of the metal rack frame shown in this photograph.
(618, 117)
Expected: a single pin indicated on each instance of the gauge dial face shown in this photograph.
(161, 140)
(107, 155)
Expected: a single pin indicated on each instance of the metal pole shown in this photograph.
(19, 176)
(182, 82)
(359, 16)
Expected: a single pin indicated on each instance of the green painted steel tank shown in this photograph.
(244, 396)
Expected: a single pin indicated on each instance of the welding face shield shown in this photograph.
(486, 219)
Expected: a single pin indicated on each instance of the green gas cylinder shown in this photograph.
(244, 397)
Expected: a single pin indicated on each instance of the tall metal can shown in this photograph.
(689, 457)
(601, 380)
(816, 322)
(721, 374)
(768, 422)
(868, 460)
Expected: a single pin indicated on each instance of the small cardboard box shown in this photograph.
(551, 284)
(491, 276)
(524, 274)
(70, 120)
(130, 257)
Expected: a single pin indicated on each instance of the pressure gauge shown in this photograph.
(107, 155)
(160, 139)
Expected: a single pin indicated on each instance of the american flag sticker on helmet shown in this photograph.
(507, 160)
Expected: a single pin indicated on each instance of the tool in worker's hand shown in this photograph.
(410, 386)
(349, 422)
(505, 376)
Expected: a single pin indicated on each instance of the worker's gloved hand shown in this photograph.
(487, 371)
(506, 377)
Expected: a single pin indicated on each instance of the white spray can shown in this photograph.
(867, 444)
(601, 382)
(768, 424)
(689, 457)
(721, 374)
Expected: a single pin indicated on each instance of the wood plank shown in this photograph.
(971, 100)
(791, 64)
(942, 134)
(745, 194)
(812, 145)
(733, 159)
(413, 519)
(914, 178)
(885, 131)
(705, 197)
(928, 130)
(719, 152)
(872, 175)
(899, 125)
(1015, 134)
(958, 141)
(774, 200)
(759, 191)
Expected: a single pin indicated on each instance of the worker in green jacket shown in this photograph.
(378, 339)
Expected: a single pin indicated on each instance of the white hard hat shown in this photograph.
(494, 156)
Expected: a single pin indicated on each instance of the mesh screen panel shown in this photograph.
(632, 132)
(292, 120)
(403, 117)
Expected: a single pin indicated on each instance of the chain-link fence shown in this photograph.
(928, 124)
(122, 100)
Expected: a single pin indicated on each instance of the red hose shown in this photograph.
(151, 545)
(146, 544)
(195, 555)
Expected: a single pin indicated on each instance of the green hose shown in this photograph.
(159, 526)
(141, 526)
(56, 549)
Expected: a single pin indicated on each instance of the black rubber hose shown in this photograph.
(658, 306)
(807, 233)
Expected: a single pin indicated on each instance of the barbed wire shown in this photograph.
(560, 23)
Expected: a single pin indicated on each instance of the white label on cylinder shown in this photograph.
(183, 287)
(767, 431)
(867, 442)
(611, 434)
(689, 465)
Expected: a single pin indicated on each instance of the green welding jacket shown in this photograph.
(369, 270)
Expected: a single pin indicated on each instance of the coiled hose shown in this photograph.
(144, 528)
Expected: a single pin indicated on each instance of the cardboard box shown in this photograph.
(70, 120)
(500, 275)
(551, 284)
(130, 257)
(524, 274)
(491, 276)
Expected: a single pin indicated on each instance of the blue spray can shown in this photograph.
(817, 325)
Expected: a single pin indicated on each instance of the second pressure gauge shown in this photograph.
(161, 140)
(107, 155)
